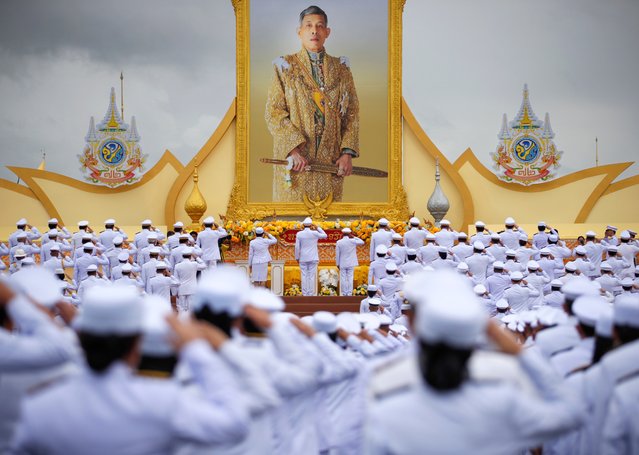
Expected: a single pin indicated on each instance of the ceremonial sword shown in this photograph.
(330, 168)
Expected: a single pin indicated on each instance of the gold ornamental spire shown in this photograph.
(195, 205)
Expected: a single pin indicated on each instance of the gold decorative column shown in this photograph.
(195, 205)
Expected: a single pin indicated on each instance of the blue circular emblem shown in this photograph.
(526, 149)
(112, 153)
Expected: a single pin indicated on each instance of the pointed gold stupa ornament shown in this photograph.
(195, 205)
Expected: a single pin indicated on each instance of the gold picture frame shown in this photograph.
(396, 206)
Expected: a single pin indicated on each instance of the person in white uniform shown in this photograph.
(186, 274)
(22, 226)
(208, 240)
(259, 256)
(383, 236)
(307, 256)
(107, 410)
(461, 414)
(346, 260)
(446, 237)
(414, 238)
(482, 235)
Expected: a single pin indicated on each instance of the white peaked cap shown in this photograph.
(605, 265)
(127, 267)
(308, 320)
(591, 234)
(444, 222)
(52, 220)
(88, 236)
(323, 321)
(405, 307)
(498, 265)
(577, 287)
(223, 289)
(398, 329)
(178, 224)
(88, 247)
(184, 235)
(533, 265)
(55, 247)
(111, 310)
(188, 251)
(19, 253)
(556, 283)
(442, 249)
(502, 304)
(480, 224)
(588, 309)
(307, 221)
(152, 236)
(92, 268)
(118, 239)
(145, 222)
(259, 230)
(462, 235)
(611, 228)
(265, 300)
(627, 282)
(39, 284)
(371, 287)
(28, 261)
(541, 223)
(382, 222)
(52, 233)
(109, 221)
(603, 328)
(374, 301)
(414, 220)
(347, 231)
(544, 251)
(161, 265)
(385, 320)
(494, 236)
(509, 221)
(59, 271)
(511, 253)
(612, 248)
(462, 267)
(396, 236)
(208, 220)
(580, 250)
(83, 223)
(21, 235)
(348, 322)
(553, 237)
(516, 276)
(523, 237)
(430, 236)
(571, 266)
(381, 249)
(391, 266)
(21, 221)
(411, 252)
(156, 331)
(123, 256)
(625, 235)
(626, 311)
(155, 250)
(479, 245)
(449, 311)
(479, 289)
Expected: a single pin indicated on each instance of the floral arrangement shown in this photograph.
(362, 289)
(329, 279)
(294, 290)
(244, 231)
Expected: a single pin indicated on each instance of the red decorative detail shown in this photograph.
(333, 235)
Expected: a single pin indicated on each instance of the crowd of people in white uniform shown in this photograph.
(493, 343)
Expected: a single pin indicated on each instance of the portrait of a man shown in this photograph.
(312, 113)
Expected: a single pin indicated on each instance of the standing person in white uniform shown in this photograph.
(482, 235)
(186, 274)
(446, 237)
(510, 236)
(383, 236)
(415, 236)
(208, 241)
(307, 256)
(259, 256)
(346, 260)
(461, 414)
(108, 410)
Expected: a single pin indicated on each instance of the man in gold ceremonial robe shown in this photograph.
(312, 112)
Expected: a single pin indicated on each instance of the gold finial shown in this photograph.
(195, 205)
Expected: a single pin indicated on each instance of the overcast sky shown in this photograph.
(465, 63)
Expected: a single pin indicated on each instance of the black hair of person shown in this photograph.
(250, 327)
(411, 257)
(222, 321)
(371, 294)
(163, 364)
(4, 317)
(479, 228)
(333, 336)
(602, 346)
(102, 351)
(626, 333)
(588, 330)
(443, 254)
(444, 368)
(313, 10)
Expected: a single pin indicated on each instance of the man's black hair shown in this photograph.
(162, 364)
(443, 367)
(313, 10)
(220, 320)
(602, 346)
(626, 333)
(101, 351)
